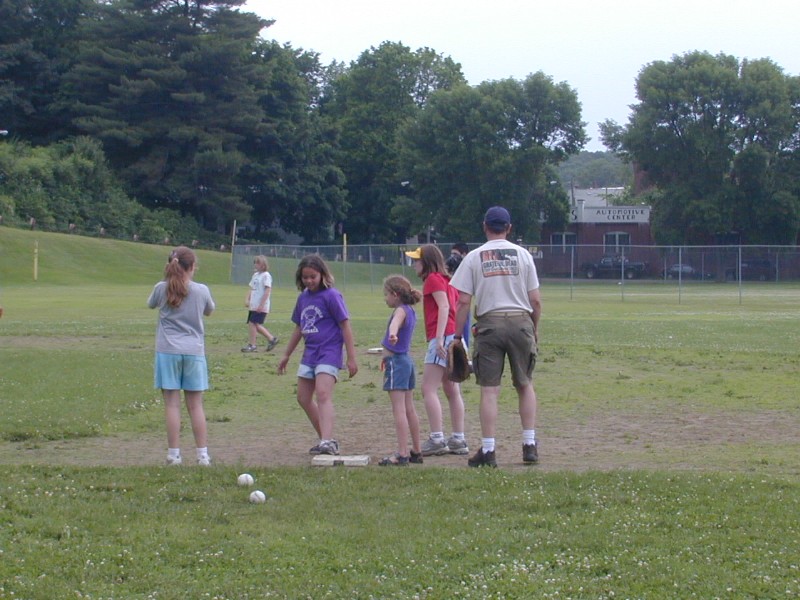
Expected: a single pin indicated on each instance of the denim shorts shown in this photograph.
(431, 358)
(180, 372)
(306, 372)
(398, 372)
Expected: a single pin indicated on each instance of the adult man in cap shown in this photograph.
(501, 277)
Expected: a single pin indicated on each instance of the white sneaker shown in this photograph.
(204, 461)
(457, 446)
(176, 460)
(434, 447)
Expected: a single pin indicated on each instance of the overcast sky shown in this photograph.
(598, 48)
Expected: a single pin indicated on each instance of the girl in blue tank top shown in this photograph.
(398, 368)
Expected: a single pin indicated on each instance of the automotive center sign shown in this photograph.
(610, 214)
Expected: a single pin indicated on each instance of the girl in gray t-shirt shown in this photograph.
(180, 361)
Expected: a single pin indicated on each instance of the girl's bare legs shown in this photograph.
(324, 385)
(172, 413)
(305, 398)
(252, 333)
(453, 392)
(431, 380)
(265, 332)
(412, 420)
(401, 424)
(194, 404)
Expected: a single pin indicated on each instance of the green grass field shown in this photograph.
(668, 427)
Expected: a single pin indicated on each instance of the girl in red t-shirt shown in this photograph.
(439, 301)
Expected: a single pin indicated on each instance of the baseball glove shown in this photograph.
(457, 362)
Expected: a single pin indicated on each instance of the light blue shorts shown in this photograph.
(181, 372)
(398, 372)
(306, 372)
(431, 358)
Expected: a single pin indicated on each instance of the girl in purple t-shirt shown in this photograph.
(399, 378)
(322, 321)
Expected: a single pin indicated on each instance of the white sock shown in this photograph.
(202, 453)
(437, 435)
(458, 436)
(487, 444)
(173, 452)
(529, 436)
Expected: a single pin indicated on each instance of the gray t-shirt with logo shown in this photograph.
(180, 330)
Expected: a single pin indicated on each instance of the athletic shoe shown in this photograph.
(204, 461)
(250, 348)
(433, 447)
(395, 460)
(416, 458)
(457, 446)
(174, 461)
(482, 459)
(329, 447)
(315, 449)
(530, 454)
(271, 344)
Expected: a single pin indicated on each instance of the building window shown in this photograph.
(615, 241)
(562, 242)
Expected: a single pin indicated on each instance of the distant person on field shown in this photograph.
(180, 362)
(439, 300)
(322, 321)
(399, 378)
(459, 248)
(258, 303)
(502, 278)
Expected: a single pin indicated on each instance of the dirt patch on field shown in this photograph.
(684, 440)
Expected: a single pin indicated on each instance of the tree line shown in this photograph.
(171, 118)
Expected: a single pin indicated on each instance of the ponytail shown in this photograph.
(181, 262)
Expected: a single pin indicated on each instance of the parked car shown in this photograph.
(754, 269)
(614, 266)
(684, 271)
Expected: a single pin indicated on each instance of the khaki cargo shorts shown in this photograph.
(501, 334)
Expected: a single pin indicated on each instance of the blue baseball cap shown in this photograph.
(497, 215)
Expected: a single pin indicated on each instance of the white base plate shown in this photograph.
(329, 460)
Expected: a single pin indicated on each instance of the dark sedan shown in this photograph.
(683, 271)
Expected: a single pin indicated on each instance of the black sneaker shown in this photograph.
(395, 460)
(530, 454)
(482, 459)
(416, 458)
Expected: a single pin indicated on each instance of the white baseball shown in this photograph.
(258, 497)
(245, 480)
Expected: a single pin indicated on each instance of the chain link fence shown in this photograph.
(696, 264)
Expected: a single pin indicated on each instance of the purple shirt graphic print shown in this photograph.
(319, 316)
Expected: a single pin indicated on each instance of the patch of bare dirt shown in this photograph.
(685, 440)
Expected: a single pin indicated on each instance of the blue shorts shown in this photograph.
(398, 372)
(256, 317)
(306, 372)
(431, 358)
(181, 372)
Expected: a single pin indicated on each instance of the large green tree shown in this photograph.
(171, 89)
(368, 104)
(713, 135)
(37, 43)
(199, 114)
(497, 143)
(293, 180)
